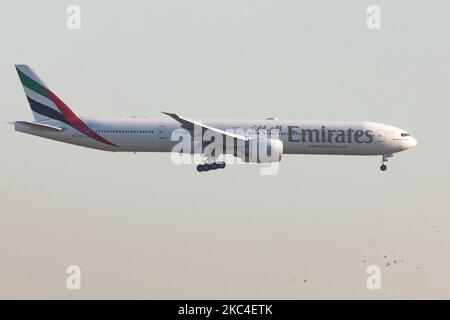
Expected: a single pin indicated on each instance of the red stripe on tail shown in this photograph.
(76, 122)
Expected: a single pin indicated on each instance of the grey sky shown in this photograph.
(141, 227)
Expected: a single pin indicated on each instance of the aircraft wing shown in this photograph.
(190, 124)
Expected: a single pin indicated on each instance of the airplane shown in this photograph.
(54, 119)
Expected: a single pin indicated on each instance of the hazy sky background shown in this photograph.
(142, 227)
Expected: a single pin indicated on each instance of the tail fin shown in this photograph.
(43, 102)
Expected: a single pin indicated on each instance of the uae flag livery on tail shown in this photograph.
(46, 105)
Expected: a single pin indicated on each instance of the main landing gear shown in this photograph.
(383, 167)
(210, 166)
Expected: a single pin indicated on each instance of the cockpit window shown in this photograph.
(404, 134)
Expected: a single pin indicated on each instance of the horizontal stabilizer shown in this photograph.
(38, 125)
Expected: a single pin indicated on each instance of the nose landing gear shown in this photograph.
(383, 167)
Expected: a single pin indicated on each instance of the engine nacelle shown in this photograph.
(260, 150)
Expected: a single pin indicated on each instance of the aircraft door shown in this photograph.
(380, 136)
(161, 132)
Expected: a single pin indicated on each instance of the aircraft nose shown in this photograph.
(410, 143)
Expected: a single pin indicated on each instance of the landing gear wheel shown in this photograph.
(210, 166)
(383, 167)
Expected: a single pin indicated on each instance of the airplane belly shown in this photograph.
(336, 148)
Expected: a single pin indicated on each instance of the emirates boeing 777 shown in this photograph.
(53, 119)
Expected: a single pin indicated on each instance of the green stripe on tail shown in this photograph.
(31, 84)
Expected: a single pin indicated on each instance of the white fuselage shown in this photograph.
(298, 137)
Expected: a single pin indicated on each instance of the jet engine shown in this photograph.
(260, 150)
